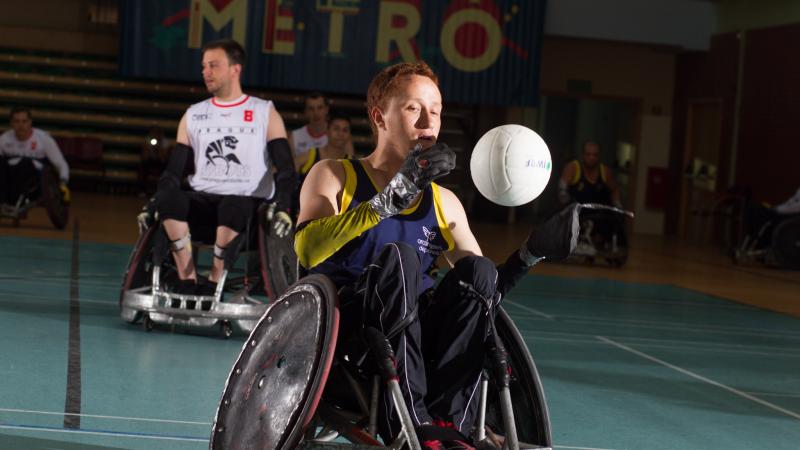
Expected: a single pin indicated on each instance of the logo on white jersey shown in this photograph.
(215, 153)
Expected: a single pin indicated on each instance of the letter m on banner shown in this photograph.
(218, 13)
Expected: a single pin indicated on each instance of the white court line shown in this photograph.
(581, 448)
(687, 349)
(723, 345)
(700, 377)
(530, 310)
(661, 322)
(692, 303)
(98, 416)
(668, 343)
(615, 320)
(5, 297)
(101, 433)
(685, 328)
(775, 394)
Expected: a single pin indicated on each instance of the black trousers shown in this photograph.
(204, 209)
(18, 179)
(438, 337)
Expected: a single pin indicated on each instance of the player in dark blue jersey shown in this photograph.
(376, 225)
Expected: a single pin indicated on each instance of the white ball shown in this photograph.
(511, 165)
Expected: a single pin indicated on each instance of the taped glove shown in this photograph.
(279, 220)
(556, 238)
(281, 224)
(419, 169)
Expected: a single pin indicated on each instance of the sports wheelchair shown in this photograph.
(43, 190)
(602, 235)
(777, 243)
(258, 264)
(290, 387)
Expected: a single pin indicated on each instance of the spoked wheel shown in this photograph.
(139, 270)
(275, 384)
(53, 199)
(786, 244)
(278, 261)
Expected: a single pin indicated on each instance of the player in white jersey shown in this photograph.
(314, 133)
(24, 150)
(227, 145)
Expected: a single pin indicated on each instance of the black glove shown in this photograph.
(557, 237)
(418, 170)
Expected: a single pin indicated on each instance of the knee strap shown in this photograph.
(488, 302)
(179, 244)
(219, 252)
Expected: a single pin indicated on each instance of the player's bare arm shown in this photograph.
(322, 191)
(276, 129)
(183, 133)
(464, 241)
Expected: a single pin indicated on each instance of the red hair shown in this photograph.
(387, 80)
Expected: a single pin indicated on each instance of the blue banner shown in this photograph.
(484, 51)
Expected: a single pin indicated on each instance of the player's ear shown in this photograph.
(376, 116)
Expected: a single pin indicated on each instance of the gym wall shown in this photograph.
(60, 25)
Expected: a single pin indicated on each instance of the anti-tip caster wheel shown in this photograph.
(226, 328)
(148, 324)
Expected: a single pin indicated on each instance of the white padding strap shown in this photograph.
(528, 258)
(179, 244)
(219, 252)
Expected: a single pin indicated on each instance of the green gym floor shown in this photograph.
(624, 365)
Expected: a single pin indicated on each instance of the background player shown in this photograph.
(228, 145)
(336, 147)
(24, 150)
(314, 132)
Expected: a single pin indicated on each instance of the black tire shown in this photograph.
(786, 244)
(53, 200)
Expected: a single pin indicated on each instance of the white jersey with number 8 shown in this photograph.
(230, 147)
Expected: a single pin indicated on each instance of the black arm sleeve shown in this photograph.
(286, 177)
(510, 272)
(179, 165)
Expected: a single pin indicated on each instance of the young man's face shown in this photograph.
(338, 133)
(316, 110)
(218, 72)
(413, 113)
(591, 155)
(22, 125)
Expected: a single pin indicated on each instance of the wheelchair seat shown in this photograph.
(287, 390)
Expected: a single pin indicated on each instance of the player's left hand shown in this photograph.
(281, 223)
(558, 236)
(65, 194)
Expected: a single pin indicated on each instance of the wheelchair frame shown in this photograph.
(49, 198)
(773, 254)
(322, 420)
(154, 304)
